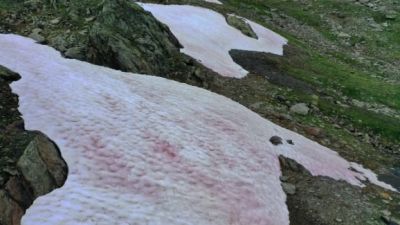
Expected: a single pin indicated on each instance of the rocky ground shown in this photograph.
(30, 163)
(337, 82)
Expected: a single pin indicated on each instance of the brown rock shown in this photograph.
(314, 131)
(10, 211)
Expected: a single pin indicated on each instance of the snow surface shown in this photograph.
(207, 37)
(146, 150)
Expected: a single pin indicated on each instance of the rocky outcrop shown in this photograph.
(240, 24)
(118, 34)
(126, 37)
(30, 163)
(343, 204)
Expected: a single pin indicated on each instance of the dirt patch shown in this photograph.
(269, 66)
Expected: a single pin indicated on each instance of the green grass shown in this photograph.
(337, 72)
(328, 76)
(365, 120)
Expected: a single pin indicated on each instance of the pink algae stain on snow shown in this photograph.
(166, 149)
(154, 151)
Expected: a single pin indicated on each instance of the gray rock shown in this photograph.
(344, 35)
(386, 213)
(300, 108)
(241, 25)
(290, 142)
(283, 178)
(358, 103)
(391, 15)
(126, 37)
(390, 221)
(289, 188)
(75, 53)
(37, 37)
(59, 42)
(55, 21)
(8, 75)
(42, 166)
(256, 105)
(275, 140)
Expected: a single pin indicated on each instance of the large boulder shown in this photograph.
(42, 166)
(126, 37)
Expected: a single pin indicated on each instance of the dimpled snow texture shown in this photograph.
(146, 150)
(207, 37)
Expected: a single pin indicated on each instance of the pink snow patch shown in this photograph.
(146, 150)
(206, 36)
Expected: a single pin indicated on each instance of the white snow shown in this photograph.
(146, 150)
(207, 37)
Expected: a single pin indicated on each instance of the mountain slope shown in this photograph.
(129, 142)
(348, 81)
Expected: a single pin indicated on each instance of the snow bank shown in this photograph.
(206, 36)
(146, 150)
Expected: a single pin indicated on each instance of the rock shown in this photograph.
(389, 221)
(42, 166)
(37, 30)
(391, 15)
(314, 131)
(8, 75)
(240, 24)
(90, 19)
(281, 98)
(283, 178)
(75, 53)
(314, 100)
(290, 142)
(59, 42)
(275, 140)
(290, 164)
(285, 117)
(55, 21)
(300, 108)
(289, 188)
(35, 35)
(358, 103)
(256, 105)
(386, 213)
(344, 35)
(18, 190)
(126, 37)
(10, 212)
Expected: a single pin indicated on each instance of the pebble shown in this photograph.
(275, 140)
